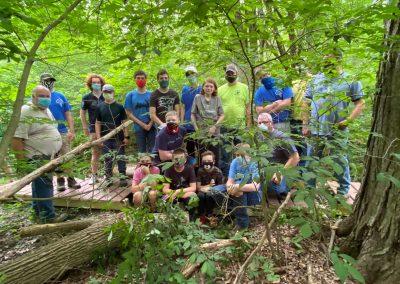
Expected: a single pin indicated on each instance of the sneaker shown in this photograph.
(73, 184)
(93, 179)
(60, 184)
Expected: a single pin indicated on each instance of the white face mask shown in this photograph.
(263, 127)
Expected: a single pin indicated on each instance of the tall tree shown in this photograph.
(374, 226)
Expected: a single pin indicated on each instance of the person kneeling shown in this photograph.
(143, 169)
(210, 183)
(182, 178)
(243, 169)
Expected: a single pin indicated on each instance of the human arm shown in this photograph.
(165, 155)
(135, 119)
(359, 107)
(194, 121)
(182, 112)
(17, 144)
(71, 128)
(82, 114)
(97, 127)
(154, 116)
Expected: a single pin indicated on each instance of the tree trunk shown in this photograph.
(375, 234)
(55, 228)
(19, 100)
(8, 190)
(51, 261)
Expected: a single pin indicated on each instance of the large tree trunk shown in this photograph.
(375, 222)
(52, 260)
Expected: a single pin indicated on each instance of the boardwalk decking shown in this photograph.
(88, 196)
(95, 197)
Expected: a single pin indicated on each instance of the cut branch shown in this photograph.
(10, 189)
(244, 266)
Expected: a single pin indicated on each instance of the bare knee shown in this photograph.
(137, 198)
(153, 195)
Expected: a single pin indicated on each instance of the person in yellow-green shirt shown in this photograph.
(236, 104)
(235, 99)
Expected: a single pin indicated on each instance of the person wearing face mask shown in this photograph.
(144, 168)
(274, 99)
(89, 106)
(36, 141)
(235, 99)
(207, 116)
(163, 100)
(169, 138)
(242, 169)
(182, 185)
(61, 110)
(187, 97)
(110, 115)
(210, 182)
(283, 152)
(137, 107)
(329, 94)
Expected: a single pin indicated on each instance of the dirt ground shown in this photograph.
(296, 262)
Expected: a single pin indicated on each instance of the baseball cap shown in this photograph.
(191, 68)
(231, 67)
(47, 76)
(108, 87)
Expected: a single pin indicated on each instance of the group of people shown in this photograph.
(189, 131)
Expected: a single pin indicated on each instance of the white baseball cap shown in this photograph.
(191, 68)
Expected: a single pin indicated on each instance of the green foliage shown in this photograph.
(344, 266)
(260, 269)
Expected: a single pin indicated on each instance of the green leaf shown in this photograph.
(306, 231)
(208, 268)
(387, 177)
(355, 274)
(341, 270)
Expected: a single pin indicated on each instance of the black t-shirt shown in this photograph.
(205, 177)
(163, 102)
(110, 117)
(283, 147)
(90, 103)
(168, 142)
(180, 179)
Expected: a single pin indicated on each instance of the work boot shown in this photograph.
(72, 183)
(59, 218)
(61, 184)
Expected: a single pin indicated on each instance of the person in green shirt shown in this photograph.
(236, 104)
(235, 99)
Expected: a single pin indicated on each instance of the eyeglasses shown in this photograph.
(262, 122)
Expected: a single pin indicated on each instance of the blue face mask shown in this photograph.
(268, 82)
(96, 87)
(263, 127)
(163, 84)
(44, 102)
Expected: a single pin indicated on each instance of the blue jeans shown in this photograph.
(145, 139)
(339, 157)
(42, 187)
(114, 151)
(238, 203)
(279, 189)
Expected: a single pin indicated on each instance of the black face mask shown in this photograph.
(230, 79)
(208, 165)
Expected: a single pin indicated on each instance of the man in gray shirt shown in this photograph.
(36, 141)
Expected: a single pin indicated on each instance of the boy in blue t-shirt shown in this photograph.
(137, 106)
(243, 170)
(61, 110)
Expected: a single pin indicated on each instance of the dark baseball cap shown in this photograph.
(47, 76)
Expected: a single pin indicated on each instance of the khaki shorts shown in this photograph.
(66, 145)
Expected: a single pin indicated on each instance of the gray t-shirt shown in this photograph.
(207, 112)
(38, 128)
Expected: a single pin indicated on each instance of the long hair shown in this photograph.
(211, 81)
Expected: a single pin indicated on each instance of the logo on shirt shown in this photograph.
(60, 102)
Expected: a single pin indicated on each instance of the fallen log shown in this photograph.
(8, 190)
(190, 268)
(52, 260)
(55, 228)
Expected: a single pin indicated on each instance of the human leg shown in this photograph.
(150, 139)
(140, 136)
(42, 187)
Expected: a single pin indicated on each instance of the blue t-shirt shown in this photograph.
(239, 171)
(59, 106)
(330, 99)
(264, 97)
(139, 105)
(187, 98)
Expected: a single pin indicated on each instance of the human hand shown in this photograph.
(277, 178)
(145, 170)
(70, 136)
(205, 189)
(86, 131)
(212, 130)
(147, 127)
(305, 130)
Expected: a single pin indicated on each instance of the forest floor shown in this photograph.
(296, 259)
